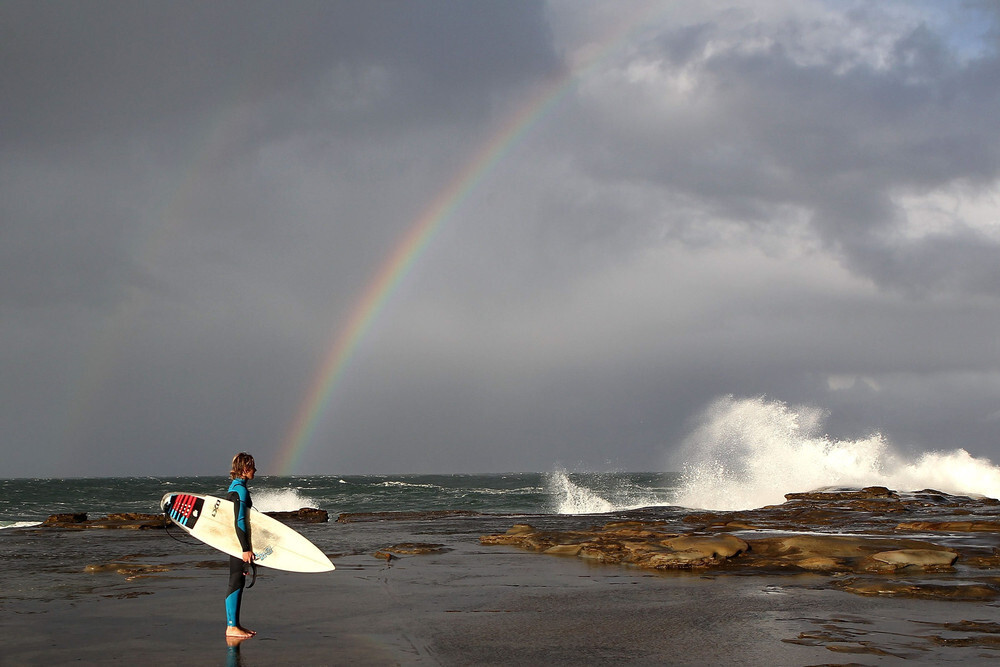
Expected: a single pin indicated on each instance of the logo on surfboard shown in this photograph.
(185, 509)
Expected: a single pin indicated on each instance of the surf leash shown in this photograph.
(167, 522)
(251, 569)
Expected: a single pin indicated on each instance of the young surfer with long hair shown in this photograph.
(243, 470)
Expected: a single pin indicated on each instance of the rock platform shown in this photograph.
(810, 532)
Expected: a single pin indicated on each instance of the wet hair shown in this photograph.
(242, 463)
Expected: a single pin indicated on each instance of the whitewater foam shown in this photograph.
(407, 485)
(749, 452)
(280, 500)
(19, 524)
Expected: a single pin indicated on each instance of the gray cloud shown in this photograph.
(798, 203)
(114, 67)
(745, 129)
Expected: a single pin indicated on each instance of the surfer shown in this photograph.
(242, 472)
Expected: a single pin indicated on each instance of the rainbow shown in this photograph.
(419, 234)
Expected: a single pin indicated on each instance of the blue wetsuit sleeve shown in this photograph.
(241, 501)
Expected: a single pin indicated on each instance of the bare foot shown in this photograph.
(237, 632)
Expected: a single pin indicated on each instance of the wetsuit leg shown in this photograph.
(235, 595)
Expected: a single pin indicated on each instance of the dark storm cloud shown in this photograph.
(106, 103)
(71, 70)
(796, 202)
(192, 193)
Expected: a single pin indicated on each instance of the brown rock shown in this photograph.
(60, 519)
(820, 564)
(866, 493)
(711, 546)
(822, 545)
(921, 557)
(302, 515)
(952, 526)
(676, 560)
(520, 529)
(564, 549)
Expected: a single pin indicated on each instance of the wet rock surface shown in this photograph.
(855, 535)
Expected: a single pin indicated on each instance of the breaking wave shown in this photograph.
(598, 493)
(19, 524)
(749, 452)
(280, 500)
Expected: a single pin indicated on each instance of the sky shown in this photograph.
(449, 236)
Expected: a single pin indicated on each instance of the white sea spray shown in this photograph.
(749, 452)
(279, 500)
(571, 498)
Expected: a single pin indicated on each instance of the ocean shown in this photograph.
(25, 502)
(744, 453)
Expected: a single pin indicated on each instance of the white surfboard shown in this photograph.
(212, 521)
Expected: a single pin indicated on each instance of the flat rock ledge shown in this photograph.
(648, 546)
(809, 533)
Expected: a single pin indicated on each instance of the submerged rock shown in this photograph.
(126, 567)
(895, 588)
(410, 549)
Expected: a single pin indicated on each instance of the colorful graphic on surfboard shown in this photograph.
(275, 545)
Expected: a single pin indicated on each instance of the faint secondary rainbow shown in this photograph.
(386, 280)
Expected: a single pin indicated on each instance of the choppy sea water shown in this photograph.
(27, 501)
(743, 453)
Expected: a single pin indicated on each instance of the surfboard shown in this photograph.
(275, 545)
